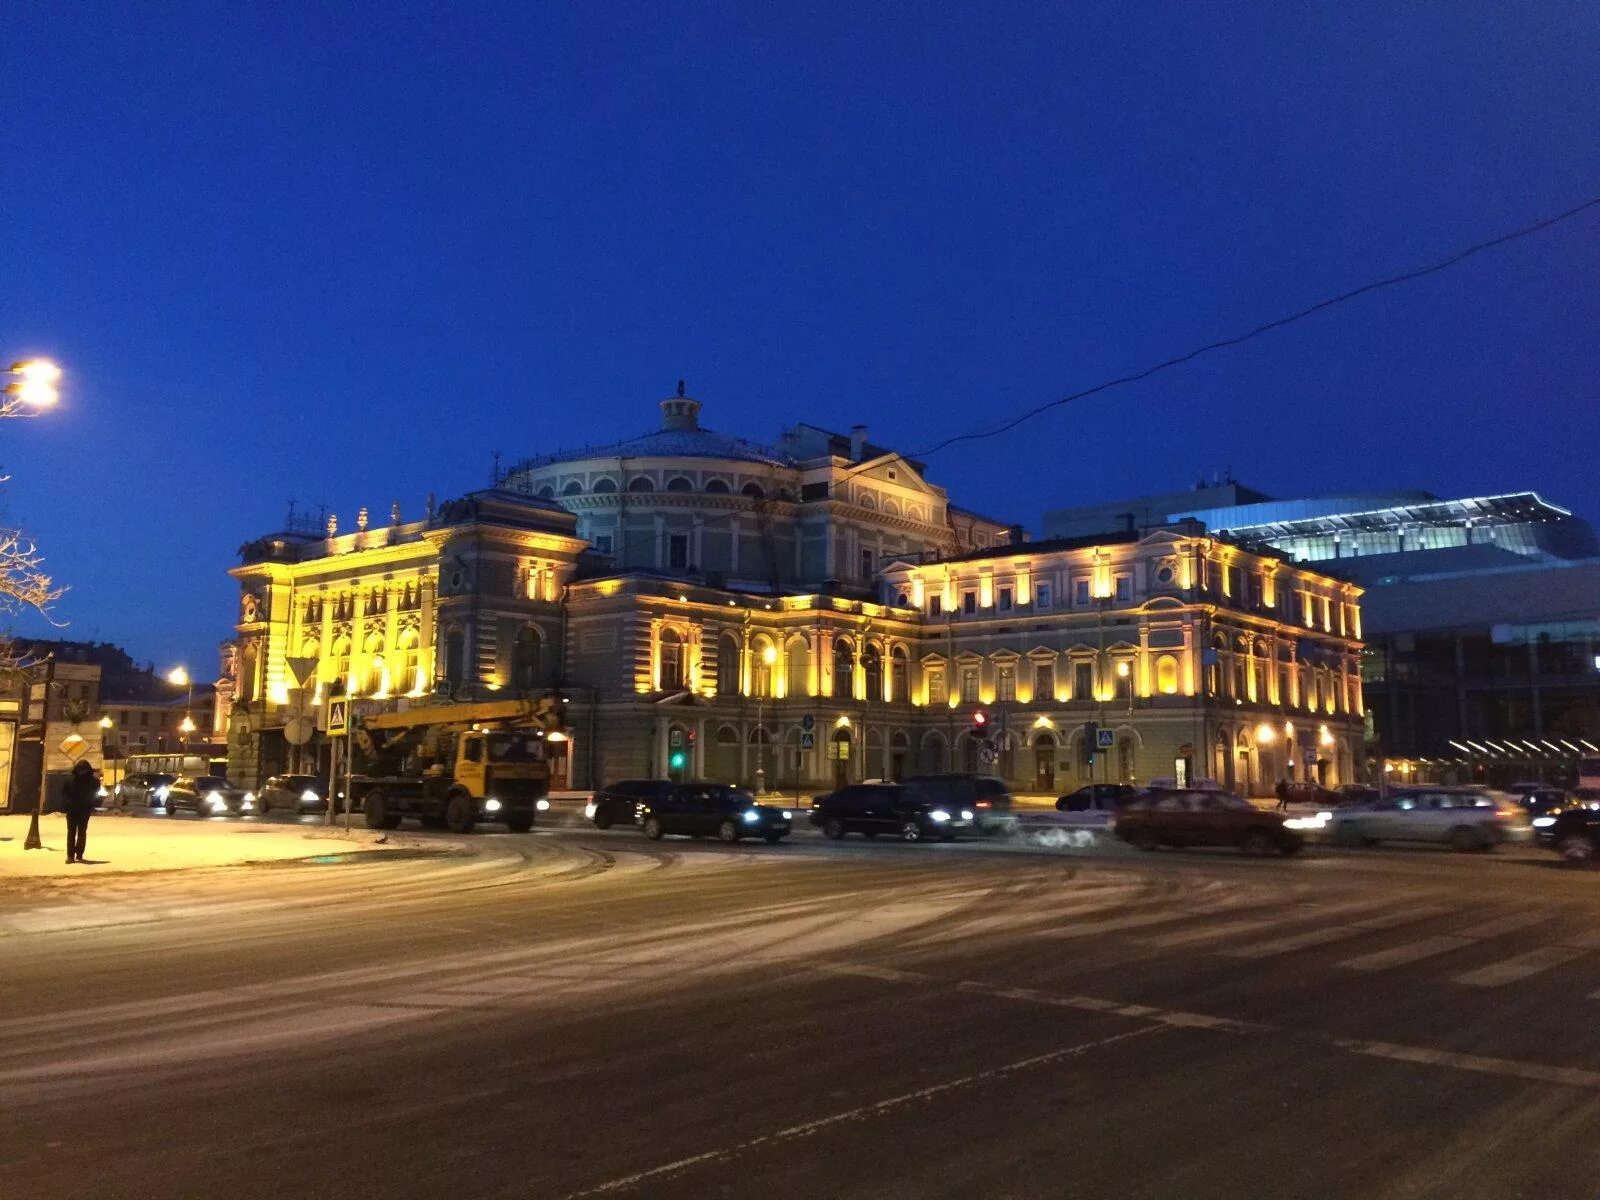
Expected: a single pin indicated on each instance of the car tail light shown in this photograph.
(984, 804)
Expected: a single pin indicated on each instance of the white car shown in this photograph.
(1467, 818)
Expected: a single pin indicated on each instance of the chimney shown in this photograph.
(1016, 535)
(858, 442)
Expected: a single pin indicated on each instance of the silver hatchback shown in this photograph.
(1466, 818)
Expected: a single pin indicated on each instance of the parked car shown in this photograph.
(293, 794)
(145, 788)
(987, 796)
(209, 796)
(1467, 818)
(1096, 798)
(1356, 793)
(1203, 818)
(1573, 833)
(900, 810)
(1306, 791)
(701, 809)
(1545, 800)
(618, 803)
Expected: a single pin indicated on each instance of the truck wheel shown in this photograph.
(653, 830)
(519, 822)
(1257, 841)
(728, 832)
(377, 810)
(911, 832)
(602, 819)
(459, 815)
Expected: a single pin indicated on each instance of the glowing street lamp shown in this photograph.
(179, 677)
(35, 384)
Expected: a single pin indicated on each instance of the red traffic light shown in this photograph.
(980, 717)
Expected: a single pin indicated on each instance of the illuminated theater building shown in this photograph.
(798, 614)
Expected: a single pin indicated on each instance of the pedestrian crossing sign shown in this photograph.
(338, 716)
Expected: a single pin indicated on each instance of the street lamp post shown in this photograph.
(768, 656)
(179, 677)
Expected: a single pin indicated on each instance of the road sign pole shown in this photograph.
(33, 840)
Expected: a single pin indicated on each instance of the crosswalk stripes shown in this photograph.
(1256, 924)
(1409, 953)
(1333, 933)
(1140, 920)
(1520, 966)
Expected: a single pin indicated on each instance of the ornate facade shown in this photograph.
(803, 615)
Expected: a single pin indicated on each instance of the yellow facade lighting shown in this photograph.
(1265, 734)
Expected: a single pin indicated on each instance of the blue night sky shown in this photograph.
(343, 253)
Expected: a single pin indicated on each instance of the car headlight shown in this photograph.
(938, 814)
(216, 801)
(751, 816)
(589, 810)
(787, 815)
(541, 805)
(966, 814)
(161, 793)
(102, 793)
(309, 797)
(248, 803)
(491, 805)
(1543, 822)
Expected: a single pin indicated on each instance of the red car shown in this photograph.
(1200, 818)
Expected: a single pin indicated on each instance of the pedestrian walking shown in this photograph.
(1283, 795)
(82, 793)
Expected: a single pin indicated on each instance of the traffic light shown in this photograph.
(980, 721)
(678, 760)
(1091, 736)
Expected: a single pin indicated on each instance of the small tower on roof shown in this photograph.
(680, 411)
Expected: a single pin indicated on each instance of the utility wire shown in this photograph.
(1389, 281)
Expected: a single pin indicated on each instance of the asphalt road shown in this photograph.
(572, 1013)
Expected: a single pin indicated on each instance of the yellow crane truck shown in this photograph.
(454, 765)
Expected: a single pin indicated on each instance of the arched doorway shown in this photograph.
(1244, 771)
(725, 755)
(934, 756)
(1044, 761)
(841, 744)
(899, 754)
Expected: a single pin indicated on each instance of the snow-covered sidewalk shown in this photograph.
(123, 843)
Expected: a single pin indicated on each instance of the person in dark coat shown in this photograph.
(81, 793)
(1283, 795)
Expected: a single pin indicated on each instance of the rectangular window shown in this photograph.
(969, 602)
(602, 543)
(969, 685)
(1124, 587)
(1041, 595)
(866, 564)
(677, 551)
(1005, 599)
(935, 604)
(1082, 681)
(1044, 682)
(936, 687)
(1080, 591)
(1005, 683)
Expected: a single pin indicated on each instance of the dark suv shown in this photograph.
(701, 809)
(1573, 833)
(618, 803)
(899, 810)
(987, 797)
(1096, 797)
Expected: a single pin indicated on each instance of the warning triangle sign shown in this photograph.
(338, 716)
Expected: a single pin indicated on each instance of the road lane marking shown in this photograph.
(877, 1108)
(1211, 933)
(1409, 953)
(1570, 1076)
(1503, 925)
(1333, 933)
(1161, 1016)
(1510, 970)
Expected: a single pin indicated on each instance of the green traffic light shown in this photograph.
(678, 759)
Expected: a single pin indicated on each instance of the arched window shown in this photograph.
(797, 664)
(763, 666)
(672, 663)
(547, 492)
(604, 486)
(753, 490)
(340, 683)
(844, 664)
(727, 665)
(455, 657)
(1167, 675)
(377, 682)
(899, 675)
(717, 487)
(572, 489)
(872, 665)
(408, 680)
(641, 483)
(679, 483)
(525, 660)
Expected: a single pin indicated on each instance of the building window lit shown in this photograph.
(969, 685)
(1167, 675)
(1044, 682)
(672, 663)
(936, 692)
(1005, 683)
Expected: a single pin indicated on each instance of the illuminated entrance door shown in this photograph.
(841, 757)
(1044, 763)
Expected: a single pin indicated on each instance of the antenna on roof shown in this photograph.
(680, 387)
